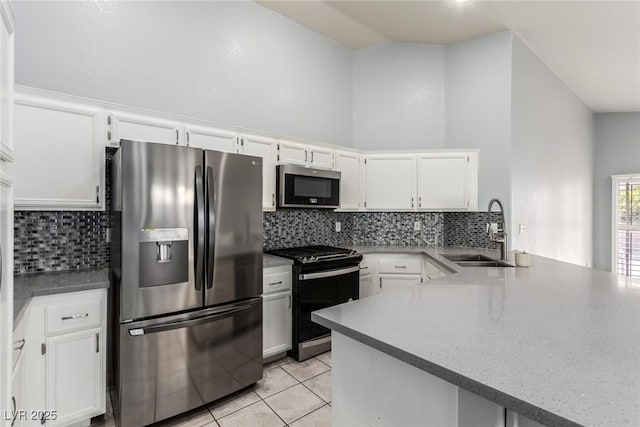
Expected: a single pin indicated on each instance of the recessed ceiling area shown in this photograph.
(593, 46)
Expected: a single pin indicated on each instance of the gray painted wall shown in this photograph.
(235, 63)
(617, 151)
(478, 109)
(551, 163)
(398, 97)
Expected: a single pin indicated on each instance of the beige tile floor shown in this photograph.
(291, 393)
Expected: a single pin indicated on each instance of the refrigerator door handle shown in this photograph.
(136, 332)
(199, 226)
(211, 220)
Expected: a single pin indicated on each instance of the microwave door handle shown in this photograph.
(211, 224)
(198, 244)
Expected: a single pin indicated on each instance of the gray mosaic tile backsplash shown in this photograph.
(291, 227)
(469, 229)
(52, 241)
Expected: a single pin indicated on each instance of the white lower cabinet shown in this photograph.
(65, 358)
(390, 282)
(276, 311)
(386, 272)
(365, 285)
(276, 315)
(75, 383)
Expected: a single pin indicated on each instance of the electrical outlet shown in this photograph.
(522, 229)
(338, 227)
(417, 226)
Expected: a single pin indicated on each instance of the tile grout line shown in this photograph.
(319, 397)
(274, 411)
(315, 410)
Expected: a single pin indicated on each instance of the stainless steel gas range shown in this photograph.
(323, 276)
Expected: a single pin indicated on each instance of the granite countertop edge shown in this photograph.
(31, 285)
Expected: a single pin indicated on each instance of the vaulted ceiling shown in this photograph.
(593, 46)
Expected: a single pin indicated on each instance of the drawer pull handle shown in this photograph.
(401, 266)
(363, 268)
(275, 283)
(19, 345)
(75, 316)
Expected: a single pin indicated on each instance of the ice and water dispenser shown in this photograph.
(164, 256)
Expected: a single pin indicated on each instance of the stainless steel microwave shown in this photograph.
(300, 187)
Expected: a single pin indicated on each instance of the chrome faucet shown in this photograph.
(497, 234)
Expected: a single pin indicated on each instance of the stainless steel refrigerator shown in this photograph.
(186, 276)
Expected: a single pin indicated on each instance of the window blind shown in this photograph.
(626, 198)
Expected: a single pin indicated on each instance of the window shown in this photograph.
(626, 225)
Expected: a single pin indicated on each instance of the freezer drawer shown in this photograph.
(171, 365)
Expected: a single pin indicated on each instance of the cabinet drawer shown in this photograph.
(73, 316)
(276, 281)
(401, 265)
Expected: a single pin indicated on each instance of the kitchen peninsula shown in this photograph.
(553, 344)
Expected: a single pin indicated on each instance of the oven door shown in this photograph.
(321, 290)
(300, 187)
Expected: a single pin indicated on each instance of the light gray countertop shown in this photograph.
(556, 342)
(269, 260)
(27, 286)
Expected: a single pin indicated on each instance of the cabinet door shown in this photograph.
(443, 181)
(75, 383)
(292, 153)
(17, 392)
(390, 182)
(211, 139)
(139, 127)
(265, 148)
(59, 157)
(321, 158)
(365, 286)
(276, 324)
(349, 166)
(389, 282)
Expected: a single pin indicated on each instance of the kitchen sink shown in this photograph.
(472, 260)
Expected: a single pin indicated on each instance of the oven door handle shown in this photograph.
(330, 273)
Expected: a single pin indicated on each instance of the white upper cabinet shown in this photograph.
(210, 138)
(59, 155)
(293, 153)
(390, 181)
(348, 164)
(139, 127)
(320, 157)
(447, 181)
(305, 155)
(266, 148)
